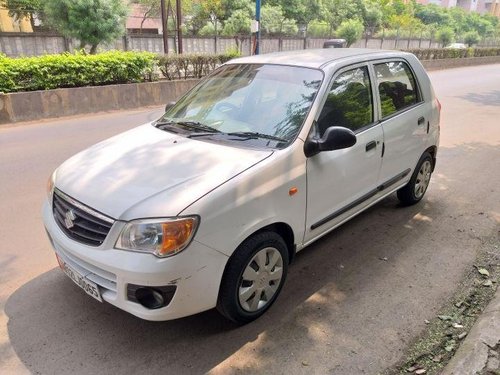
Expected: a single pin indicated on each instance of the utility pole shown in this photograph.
(256, 28)
(164, 26)
(179, 21)
(257, 25)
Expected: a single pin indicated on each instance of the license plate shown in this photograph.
(88, 286)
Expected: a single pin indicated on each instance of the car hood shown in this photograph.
(148, 172)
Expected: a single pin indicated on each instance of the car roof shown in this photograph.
(315, 58)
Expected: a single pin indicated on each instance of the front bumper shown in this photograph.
(196, 272)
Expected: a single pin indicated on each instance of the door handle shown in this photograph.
(420, 121)
(370, 145)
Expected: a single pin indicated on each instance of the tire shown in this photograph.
(248, 287)
(414, 191)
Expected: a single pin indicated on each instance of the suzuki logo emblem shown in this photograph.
(69, 219)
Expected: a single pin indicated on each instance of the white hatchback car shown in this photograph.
(207, 206)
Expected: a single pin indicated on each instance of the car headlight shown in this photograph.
(50, 186)
(161, 237)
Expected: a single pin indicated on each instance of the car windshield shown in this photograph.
(242, 102)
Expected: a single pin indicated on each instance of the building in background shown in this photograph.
(10, 24)
(480, 6)
(138, 21)
(492, 6)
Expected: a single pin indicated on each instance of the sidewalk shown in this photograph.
(479, 353)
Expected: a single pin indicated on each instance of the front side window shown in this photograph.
(396, 87)
(349, 103)
(263, 104)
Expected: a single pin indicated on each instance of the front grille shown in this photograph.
(80, 222)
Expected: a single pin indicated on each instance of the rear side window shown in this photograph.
(396, 86)
(349, 103)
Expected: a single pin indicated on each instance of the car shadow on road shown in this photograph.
(491, 98)
(55, 328)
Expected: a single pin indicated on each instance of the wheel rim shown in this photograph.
(423, 178)
(261, 279)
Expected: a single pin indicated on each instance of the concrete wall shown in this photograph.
(32, 44)
(36, 105)
(456, 63)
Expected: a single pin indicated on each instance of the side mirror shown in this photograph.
(335, 138)
(169, 105)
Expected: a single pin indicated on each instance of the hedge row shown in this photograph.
(453, 53)
(77, 70)
(74, 70)
(191, 65)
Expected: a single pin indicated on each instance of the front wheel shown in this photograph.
(414, 191)
(253, 277)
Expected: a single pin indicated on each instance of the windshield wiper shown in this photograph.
(198, 126)
(255, 135)
(190, 124)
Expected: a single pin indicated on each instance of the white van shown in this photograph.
(207, 206)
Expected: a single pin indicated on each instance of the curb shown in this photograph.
(50, 104)
(479, 351)
(439, 64)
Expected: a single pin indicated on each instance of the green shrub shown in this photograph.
(472, 37)
(350, 30)
(452, 53)
(318, 29)
(445, 35)
(192, 65)
(75, 70)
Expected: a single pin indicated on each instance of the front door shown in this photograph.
(341, 180)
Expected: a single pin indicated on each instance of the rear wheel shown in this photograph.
(253, 277)
(414, 191)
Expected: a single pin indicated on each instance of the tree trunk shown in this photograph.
(237, 40)
(93, 49)
(82, 45)
(32, 21)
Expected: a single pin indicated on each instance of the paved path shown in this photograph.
(342, 311)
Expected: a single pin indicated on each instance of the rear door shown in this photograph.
(341, 180)
(403, 118)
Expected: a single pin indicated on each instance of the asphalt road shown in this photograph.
(343, 309)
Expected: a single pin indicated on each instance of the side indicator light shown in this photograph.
(293, 191)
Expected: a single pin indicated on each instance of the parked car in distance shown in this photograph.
(207, 206)
(457, 46)
(335, 43)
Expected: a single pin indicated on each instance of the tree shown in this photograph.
(318, 29)
(238, 26)
(475, 22)
(445, 35)
(208, 30)
(336, 11)
(350, 30)
(90, 21)
(405, 23)
(19, 9)
(373, 17)
(302, 11)
(150, 9)
(472, 37)
(273, 21)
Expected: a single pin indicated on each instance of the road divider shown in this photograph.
(37, 105)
